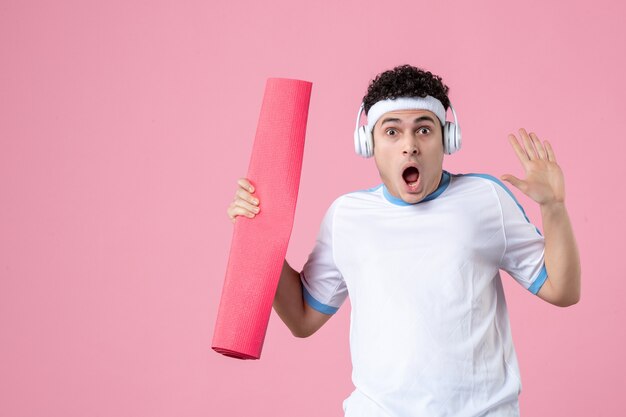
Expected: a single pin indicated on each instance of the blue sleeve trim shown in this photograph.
(501, 184)
(322, 308)
(543, 275)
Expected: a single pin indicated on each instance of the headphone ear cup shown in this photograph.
(457, 138)
(369, 143)
(357, 141)
(363, 142)
(451, 138)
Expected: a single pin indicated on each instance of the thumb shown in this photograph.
(516, 182)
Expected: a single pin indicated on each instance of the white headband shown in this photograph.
(405, 103)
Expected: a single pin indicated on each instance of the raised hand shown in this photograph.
(544, 181)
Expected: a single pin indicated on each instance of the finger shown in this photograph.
(233, 219)
(528, 145)
(241, 208)
(513, 180)
(521, 153)
(232, 212)
(245, 183)
(246, 196)
(538, 146)
(550, 152)
(247, 206)
(236, 211)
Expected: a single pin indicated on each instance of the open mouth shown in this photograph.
(411, 176)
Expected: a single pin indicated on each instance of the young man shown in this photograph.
(420, 256)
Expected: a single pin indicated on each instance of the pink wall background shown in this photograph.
(124, 126)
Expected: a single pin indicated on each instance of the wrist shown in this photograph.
(552, 207)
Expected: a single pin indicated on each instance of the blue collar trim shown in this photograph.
(443, 184)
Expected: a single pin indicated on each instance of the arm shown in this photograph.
(289, 302)
(290, 306)
(544, 183)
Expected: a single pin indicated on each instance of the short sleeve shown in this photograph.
(323, 286)
(523, 256)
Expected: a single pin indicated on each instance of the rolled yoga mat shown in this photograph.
(259, 245)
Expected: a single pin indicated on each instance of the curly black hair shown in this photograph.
(405, 81)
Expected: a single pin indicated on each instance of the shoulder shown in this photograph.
(507, 201)
(478, 177)
(359, 197)
(355, 201)
(485, 181)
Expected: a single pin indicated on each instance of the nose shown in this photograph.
(410, 146)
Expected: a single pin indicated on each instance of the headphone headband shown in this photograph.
(381, 107)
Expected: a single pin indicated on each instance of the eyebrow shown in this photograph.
(419, 119)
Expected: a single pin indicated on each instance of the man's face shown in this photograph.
(408, 150)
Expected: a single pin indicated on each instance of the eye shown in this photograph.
(391, 131)
(424, 130)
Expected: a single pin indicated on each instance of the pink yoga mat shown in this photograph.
(259, 245)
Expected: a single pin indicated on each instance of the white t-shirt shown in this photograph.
(429, 328)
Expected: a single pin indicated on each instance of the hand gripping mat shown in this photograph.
(259, 245)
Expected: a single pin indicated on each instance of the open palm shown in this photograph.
(544, 181)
